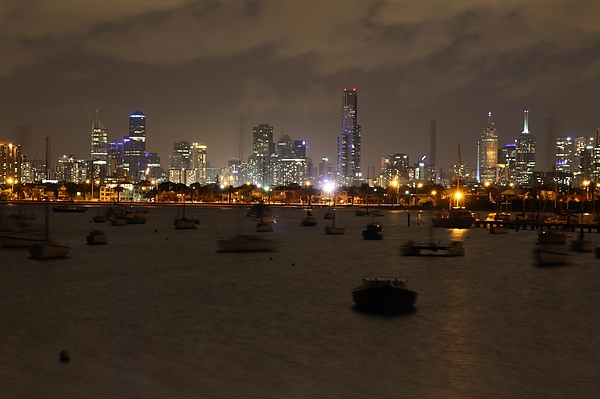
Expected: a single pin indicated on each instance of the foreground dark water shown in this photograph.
(157, 313)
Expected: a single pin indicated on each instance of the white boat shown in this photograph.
(247, 243)
(551, 254)
(96, 237)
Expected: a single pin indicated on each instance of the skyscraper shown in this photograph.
(349, 141)
(488, 153)
(99, 149)
(525, 154)
(263, 149)
(134, 146)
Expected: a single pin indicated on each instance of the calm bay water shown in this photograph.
(157, 313)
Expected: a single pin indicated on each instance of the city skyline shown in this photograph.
(284, 64)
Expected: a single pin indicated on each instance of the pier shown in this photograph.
(526, 224)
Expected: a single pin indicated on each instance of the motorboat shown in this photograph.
(247, 243)
(454, 218)
(373, 231)
(96, 237)
(431, 248)
(384, 295)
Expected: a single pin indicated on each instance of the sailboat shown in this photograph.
(457, 216)
(48, 249)
(184, 222)
(333, 229)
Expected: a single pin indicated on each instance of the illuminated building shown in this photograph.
(349, 142)
(396, 167)
(564, 154)
(10, 162)
(134, 146)
(506, 164)
(198, 164)
(99, 150)
(263, 150)
(525, 154)
(488, 153)
(326, 173)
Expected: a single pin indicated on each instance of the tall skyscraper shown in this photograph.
(99, 150)
(134, 146)
(349, 142)
(198, 163)
(263, 149)
(488, 153)
(525, 154)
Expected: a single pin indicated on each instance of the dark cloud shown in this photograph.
(194, 67)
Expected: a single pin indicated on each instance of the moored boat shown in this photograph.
(184, 223)
(264, 227)
(96, 237)
(373, 231)
(384, 295)
(455, 218)
(47, 250)
(431, 248)
(551, 254)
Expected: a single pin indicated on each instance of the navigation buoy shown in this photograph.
(64, 356)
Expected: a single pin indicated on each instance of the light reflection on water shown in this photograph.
(158, 313)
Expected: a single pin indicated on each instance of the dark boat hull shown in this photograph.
(385, 298)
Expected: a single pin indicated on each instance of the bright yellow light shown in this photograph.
(487, 184)
(433, 192)
(9, 180)
(458, 195)
(420, 185)
(395, 183)
(586, 183)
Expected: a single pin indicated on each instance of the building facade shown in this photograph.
(525, 154)
(134, 147)
(349, 142)
(488, 153)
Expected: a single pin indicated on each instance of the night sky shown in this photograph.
(196, 67)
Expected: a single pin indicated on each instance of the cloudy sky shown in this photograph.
(196, 67)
